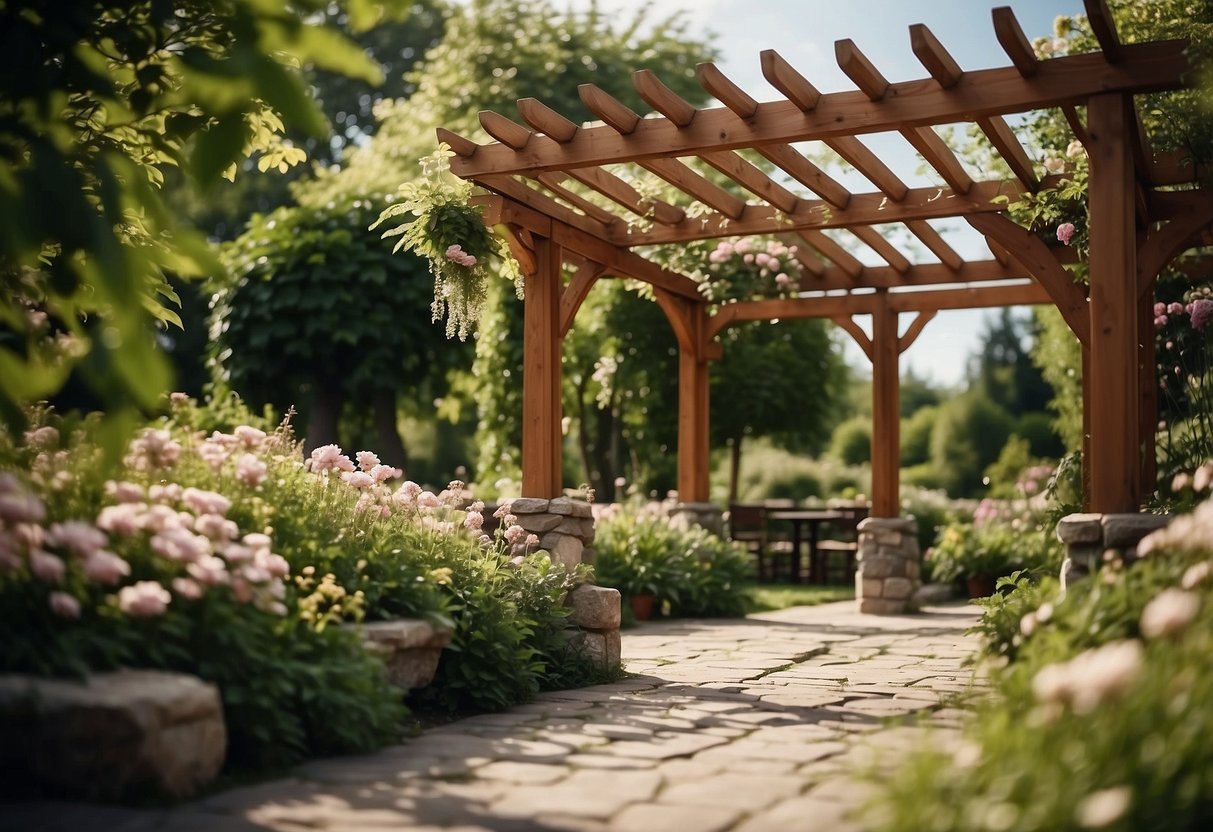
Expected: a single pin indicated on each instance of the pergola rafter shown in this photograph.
(575, 193)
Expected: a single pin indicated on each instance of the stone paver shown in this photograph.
(729, 726)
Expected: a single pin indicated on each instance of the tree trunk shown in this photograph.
(391, 448)
(734, 467)
(327, 400)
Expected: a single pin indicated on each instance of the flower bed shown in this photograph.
(1100, 718)
(227, 555)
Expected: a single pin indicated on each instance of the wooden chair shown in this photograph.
(836, 554)
(747, 525)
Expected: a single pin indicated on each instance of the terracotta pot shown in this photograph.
(980, 586)
(642, 606)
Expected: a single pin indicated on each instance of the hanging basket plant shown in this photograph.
(750, 268)
(463, 252)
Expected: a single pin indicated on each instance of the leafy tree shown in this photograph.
(969, 435)
(495, 52)
(97, 99)
(319, 307)
(1003, 368)
(777, 379)
(851, 443)
(916, 435)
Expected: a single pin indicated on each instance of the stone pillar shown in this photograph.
(1088, 537)
(566, 530)
(889, 565)
(595, 609)
(705, 515)
(565, 527)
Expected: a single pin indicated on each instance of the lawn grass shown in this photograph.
(769, 597)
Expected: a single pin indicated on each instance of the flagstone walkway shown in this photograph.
(747, 725)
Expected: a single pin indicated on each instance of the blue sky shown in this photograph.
(804, 31)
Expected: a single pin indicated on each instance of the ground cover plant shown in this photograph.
(228, 555)
(1099, 717)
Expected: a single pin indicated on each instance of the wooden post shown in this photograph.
(1114, 461)
(886, 410)
(1147, 380)
(541, 438)
(693, 442)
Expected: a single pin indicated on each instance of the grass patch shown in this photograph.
(768, 597)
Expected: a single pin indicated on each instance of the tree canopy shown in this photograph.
(98, 98)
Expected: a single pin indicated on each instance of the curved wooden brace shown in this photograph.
(1164, 245)
(575, 293)
(847, 323)
(915, 329)
(522, 246)
(1032, 253)
(690, 323)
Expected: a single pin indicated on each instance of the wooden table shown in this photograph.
(798, 518)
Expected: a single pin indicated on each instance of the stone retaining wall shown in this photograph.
(1089, 537)
(889, 565)
(565, 527)
(410, 649)
(705, 515)
(110, 736)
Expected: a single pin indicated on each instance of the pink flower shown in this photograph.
(81, 538)
(213, 453)
(1173, 308)
(205, 502)
(188, 588)
(514, 533)
(237, 553)
(384, 472)
(329, 458)
(428, 499)
(277, 566)
(124, 519)
(178, 398)
(1055, 165)
(21, 507)
(145, 599)
(210, 571)
(358, 479)
(473, 521)
(105, 568)
(46, 567)
(216, 527)
(532, 540)
(250, 470)
(502, 510)
(64, 605)
(153, 449)
(1202, 311)
(1160, 309)
(1065, 232)
(782, 280)
(124, 492)
(178, 544)
(1169, 613)
(250, 437)
(257, 540)
(367, 460)
(167, 493)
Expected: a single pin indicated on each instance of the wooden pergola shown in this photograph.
(563, 191)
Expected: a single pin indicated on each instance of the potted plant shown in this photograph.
(978, 555)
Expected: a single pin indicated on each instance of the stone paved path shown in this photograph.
(745, 725)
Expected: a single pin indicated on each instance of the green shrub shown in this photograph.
(1099, 718)
(916, 436)
(230, 557)
(932, 510)
(851, 443)
(692, 571)
(993, 548)
(968, 436)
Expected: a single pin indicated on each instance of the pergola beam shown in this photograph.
(1144, 67)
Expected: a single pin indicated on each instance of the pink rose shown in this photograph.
(64, 605)
(367, 460)
(188, 588)
(46, 567)
(1065, 232)
(358, 479)
(81, 538)
(145, 599)
(250, 470)
(105, 567)
(1202, 311)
